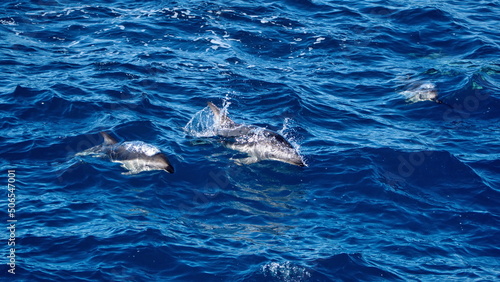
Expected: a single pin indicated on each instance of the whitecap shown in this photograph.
(286, 271)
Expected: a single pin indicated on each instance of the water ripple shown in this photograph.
(394, 189)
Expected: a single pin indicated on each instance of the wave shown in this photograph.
(392, 190)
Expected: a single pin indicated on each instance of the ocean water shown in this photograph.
(397, 185)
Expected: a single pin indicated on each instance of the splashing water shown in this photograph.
(204, 123)
(285, 271)
(288, 131)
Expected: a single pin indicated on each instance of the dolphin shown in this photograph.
(422, 91)
(135, 156)
(259, 143)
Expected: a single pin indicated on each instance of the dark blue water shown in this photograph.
(394, 189)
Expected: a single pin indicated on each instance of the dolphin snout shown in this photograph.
(298, 162)
(169, 169)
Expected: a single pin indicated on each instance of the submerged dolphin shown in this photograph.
(422, 91)
(417, 92)
(259, 143)
(135, 156)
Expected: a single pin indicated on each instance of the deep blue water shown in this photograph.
(393, 189)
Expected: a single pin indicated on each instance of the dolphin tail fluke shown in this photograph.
(108, 140)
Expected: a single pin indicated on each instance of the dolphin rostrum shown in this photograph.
(259, 143)
(135, 156)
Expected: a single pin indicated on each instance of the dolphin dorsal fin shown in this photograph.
(108, 140)
(221, 115)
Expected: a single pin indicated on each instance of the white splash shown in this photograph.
(284, 131)
(286, 271)
(204, 123)
(319, 40)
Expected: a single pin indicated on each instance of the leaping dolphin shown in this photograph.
(135, 156)
(259, 143)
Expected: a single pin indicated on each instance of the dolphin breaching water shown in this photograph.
(135, 156)
(259, 143)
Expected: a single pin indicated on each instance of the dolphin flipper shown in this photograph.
(247, 161)
(130, 169)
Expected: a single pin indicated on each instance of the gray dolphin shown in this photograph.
(259, 143)
(422, 91)
(135, 156)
